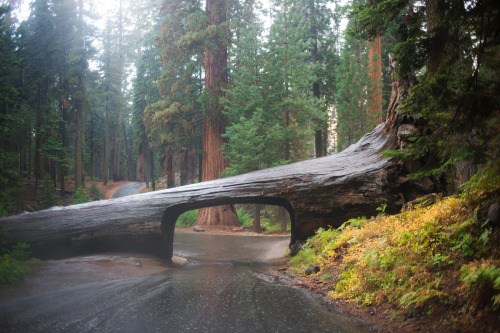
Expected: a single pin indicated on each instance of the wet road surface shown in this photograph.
(224, 286)
(128, 189)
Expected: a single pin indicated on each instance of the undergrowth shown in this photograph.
(187, 219)
(416, 261)
(15, 263)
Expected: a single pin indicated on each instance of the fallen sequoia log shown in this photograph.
(317, 193)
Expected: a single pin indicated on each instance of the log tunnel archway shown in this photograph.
(321, 192)
(171, 214)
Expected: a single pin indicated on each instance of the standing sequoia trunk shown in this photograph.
(215, 81)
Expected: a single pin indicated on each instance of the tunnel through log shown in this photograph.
(171, 215)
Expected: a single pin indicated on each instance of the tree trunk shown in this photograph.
(62, 130)
(169, 168)
(106, 142)
(192, 165)
(319, 135)
(140, 169)
(284, 219)
(127, 151)
(39, 121)
(116, 158)
(92, 169)
(78, 143)
(212, 167)
(438, 34)
(256, 218)
(152, 169)
(362, 111)
(80, 104)
(184, 166)
(287, 153)
(214, 123)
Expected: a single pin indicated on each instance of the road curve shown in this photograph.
(128, 189)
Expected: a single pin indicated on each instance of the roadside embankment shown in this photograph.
(433, 267)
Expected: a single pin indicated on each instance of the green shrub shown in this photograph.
(48, 196)
(14, 263)
(481, 274)
(187, 219)
(244, 218)
(81, 196)
(94, 192)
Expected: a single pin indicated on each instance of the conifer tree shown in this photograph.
(40, 75)
(13, 118)
(173, 124)
(353, 81)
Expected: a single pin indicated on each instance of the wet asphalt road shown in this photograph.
(225, 286)
(128, 189)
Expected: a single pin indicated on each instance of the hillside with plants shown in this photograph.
(438, 261)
